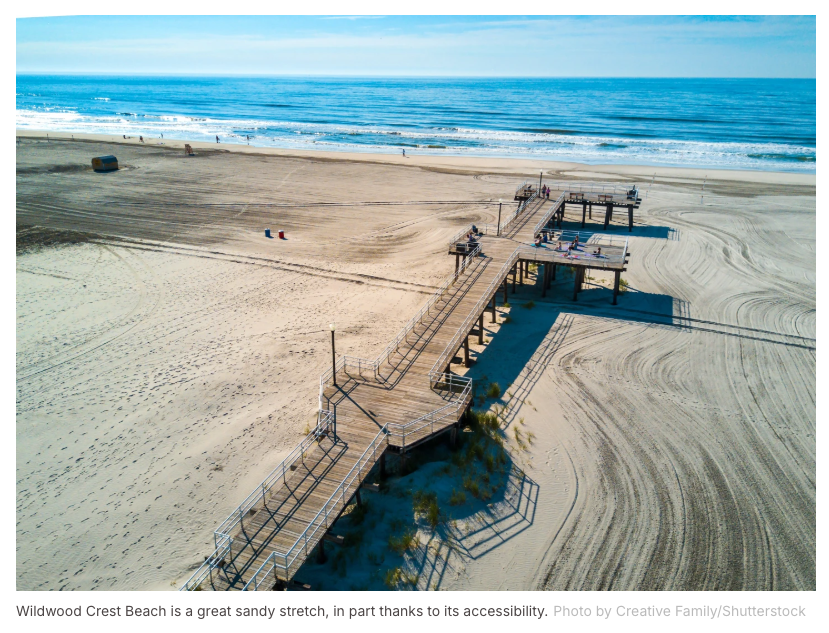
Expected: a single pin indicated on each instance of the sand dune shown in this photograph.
(169, 359)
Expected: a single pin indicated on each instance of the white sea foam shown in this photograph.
(457, 141)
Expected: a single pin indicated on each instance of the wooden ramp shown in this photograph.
(367, 408)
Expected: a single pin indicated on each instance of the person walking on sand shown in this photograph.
(404, 153)
(217, 138)
(141, 139)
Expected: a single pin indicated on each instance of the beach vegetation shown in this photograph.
(400, 544)
(623, 285)
(494, 390)
(457, 498)
(530, 304)
(507, 319)
(426, 504)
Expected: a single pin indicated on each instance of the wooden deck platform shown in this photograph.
(391, 404)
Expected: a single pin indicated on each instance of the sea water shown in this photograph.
(766, 124)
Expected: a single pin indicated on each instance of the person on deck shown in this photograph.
(598, 251)
(537, 241)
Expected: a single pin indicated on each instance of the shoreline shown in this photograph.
(505, 166)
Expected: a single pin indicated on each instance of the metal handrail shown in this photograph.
(321, 519)
(284, 560)
(593, 187)
(453, 345)
(210, 563)
(518, 211)
(325, 420)
(546, 217)
(487, 228)
(361, 363)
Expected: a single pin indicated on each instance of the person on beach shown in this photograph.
(162, 135)
(548, 193)
(217, 138)
(474, 229)
(544, 238)
(140, 138)
(404, 153)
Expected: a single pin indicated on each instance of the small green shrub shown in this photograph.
(623, 285)
(403, 543)
(530, 304)
(457, 498)
(507, 319)
(426, 503)
(494, 390)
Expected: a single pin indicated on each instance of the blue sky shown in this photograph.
(396, 45)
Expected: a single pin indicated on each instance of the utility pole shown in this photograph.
(500, 202)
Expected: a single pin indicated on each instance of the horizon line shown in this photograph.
(386, 76)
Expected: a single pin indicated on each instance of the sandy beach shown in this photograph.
(168, 357)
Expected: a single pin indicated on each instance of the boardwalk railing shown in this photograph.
(593, 187)
(463, 330)
(284, 561)
(210, 563)
(491, 229)
(277, 475)
(324, 518)
(518, 211)
(360, 365)
(548, 215)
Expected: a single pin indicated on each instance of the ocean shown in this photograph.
(763, 124)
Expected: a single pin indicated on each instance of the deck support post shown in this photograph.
(481, 329)
(590, 210)
(544, 280)
(576, 285)
(582, 272)
(553, 272)
(466, 351)
(457, 262)
(453, 436)
(608, 216)
(383, 466)
(358, 498)
(514, 274)
(492, 307)
(520, 273)
(630, 218)
(402, 467)
(505, 290)
(618, 275)
(583, 213)
(321, 557)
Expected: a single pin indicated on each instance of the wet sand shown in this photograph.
(168, 356)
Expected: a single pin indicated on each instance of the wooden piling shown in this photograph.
(481, 329)
(583, 213)
(618, 276)
(630, 218)
(466, 351)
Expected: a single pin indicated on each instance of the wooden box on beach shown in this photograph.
(105, 163)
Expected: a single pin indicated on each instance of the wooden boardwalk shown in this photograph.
(394, 403)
